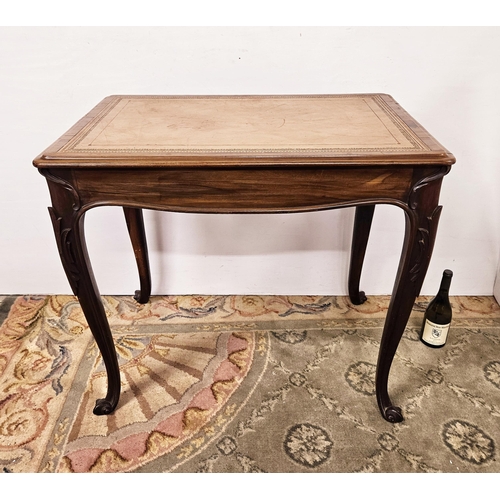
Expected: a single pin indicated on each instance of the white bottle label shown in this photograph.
(435, 334)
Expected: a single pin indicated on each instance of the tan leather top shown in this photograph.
(198, 130)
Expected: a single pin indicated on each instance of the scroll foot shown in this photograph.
(142, 298)
(104, 407)
(359, 298)
(393, 414)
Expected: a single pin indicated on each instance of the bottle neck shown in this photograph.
(444, 288)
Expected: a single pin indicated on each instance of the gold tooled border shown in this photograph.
(418, 145)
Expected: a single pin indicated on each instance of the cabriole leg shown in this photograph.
(135, 226)
(68, 220)
(362, 224)
(421, 226)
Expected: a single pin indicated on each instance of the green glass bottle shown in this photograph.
(437, 317)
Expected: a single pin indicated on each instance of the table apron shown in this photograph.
(241, 190)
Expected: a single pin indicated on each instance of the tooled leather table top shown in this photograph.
(197, 130)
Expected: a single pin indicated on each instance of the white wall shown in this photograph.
(447, 78)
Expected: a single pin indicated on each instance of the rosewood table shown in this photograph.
(247, 154)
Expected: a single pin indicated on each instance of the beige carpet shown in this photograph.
(246, 384)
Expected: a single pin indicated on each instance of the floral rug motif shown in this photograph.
(245, 384)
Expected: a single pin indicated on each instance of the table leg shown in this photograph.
(362, 224)
(135, 225)
(68, 221)
(422, 219)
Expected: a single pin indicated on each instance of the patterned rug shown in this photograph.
(246, 384)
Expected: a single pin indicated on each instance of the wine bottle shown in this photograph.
(437, 317)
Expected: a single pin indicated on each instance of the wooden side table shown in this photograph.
(247, 154)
